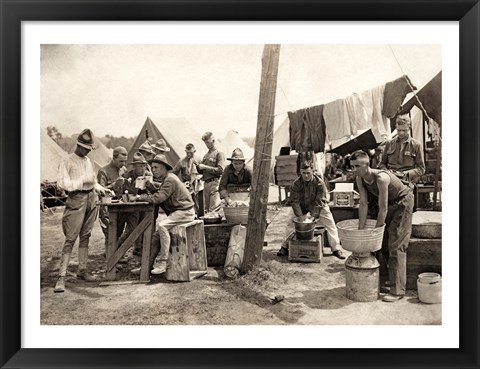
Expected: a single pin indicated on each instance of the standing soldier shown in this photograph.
(76, 175)
(187, 172)
(395, 201)
(110, 176)
(212, 168)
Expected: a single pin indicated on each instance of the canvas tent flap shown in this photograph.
(431, 97)
(364, 141)
(177, 133)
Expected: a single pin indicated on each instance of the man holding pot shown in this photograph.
(309, 196)
(395, 201)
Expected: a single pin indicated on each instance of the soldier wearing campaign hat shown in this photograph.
(235, 173)
(77, 177)
(174, 198)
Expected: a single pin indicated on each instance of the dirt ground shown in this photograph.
(313, 293)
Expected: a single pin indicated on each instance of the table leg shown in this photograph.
(111, 274)
(147, 242)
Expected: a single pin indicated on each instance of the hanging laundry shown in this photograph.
(416, 116)
(315, 127)
(394, 94)
(357, 114)
(295, 128)
(307, 129)
(336, 120)
(373, 103)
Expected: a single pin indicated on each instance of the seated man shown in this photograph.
(235, 173)
(308, 195)
(177, 203)
(403, 155)
(395, 201)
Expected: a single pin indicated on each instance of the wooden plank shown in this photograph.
(196, 274)
(111, 273)
(147, 242)
(261, 164)
(196, 245)
(122, 249)
(282, 171)
(177, 268)
(117, 283)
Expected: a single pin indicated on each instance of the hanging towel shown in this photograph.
(394, 94)
(336, 120)
(357, 114)
(373, 103)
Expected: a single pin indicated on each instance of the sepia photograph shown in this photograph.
(241, 184)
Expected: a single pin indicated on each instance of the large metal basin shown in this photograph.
(360, 241)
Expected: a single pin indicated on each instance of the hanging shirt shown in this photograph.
(357, 114)
(337, 121)
(394, 94)
(404, 157)
(373, 103)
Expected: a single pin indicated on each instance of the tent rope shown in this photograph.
(416, 97)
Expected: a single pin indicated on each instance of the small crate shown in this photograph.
(188, 256)
(306, 251)
(343, 194)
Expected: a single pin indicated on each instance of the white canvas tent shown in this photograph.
(177, 133)
(50, 157)
(231, 141)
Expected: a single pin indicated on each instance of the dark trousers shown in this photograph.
(398, 228)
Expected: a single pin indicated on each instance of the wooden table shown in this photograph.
(145, 227)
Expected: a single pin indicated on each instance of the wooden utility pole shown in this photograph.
(257, 214)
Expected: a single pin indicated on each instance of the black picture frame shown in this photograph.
(467, 12)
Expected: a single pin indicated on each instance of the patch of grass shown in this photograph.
(267, 276)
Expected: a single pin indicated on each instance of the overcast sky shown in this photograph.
(113, 88)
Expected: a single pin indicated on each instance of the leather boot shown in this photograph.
(64, 264)
(83, 274)
(60, 285)
(82, 265)
(82, 258)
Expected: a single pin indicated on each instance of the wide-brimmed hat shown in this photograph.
(237, 154)
(85, 139)
(138, 158)
(160, 158)
(147, 147)
(161, 145)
